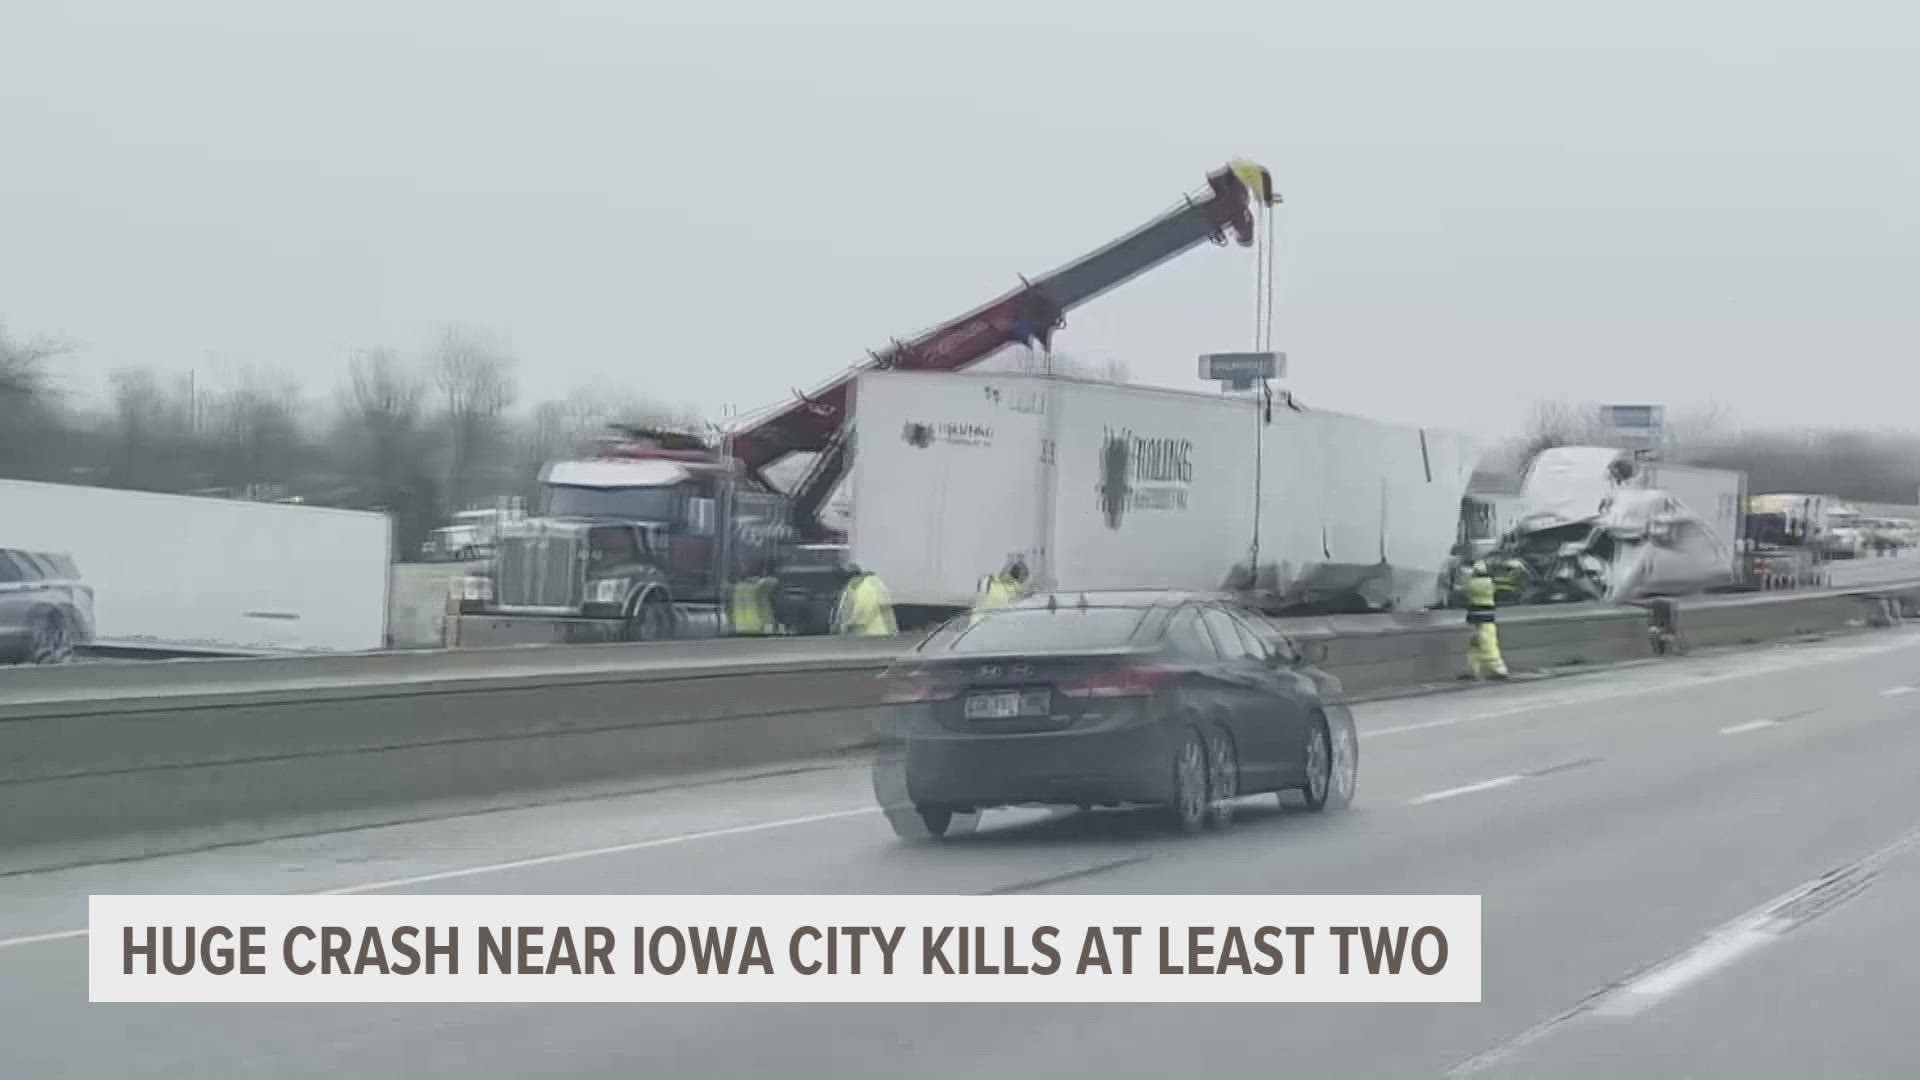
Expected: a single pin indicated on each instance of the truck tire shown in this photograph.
(652, 619)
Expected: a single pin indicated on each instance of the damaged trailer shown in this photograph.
(1599, 525)
(1103, 486)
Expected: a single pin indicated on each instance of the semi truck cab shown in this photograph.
(625, 546)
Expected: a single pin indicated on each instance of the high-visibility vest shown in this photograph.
(865, 609)
(750, 606)
(996, 592)
(1480, 592)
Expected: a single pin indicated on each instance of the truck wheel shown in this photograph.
(651, 621)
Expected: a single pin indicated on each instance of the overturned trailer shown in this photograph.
(1100, 486)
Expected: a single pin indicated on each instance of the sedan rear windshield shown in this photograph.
(1040, 630)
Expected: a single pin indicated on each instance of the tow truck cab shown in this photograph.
(627, 537)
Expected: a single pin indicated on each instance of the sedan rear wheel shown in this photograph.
(1223, 777)
(1189, 807)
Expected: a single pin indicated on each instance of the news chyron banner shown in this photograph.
(930, 949)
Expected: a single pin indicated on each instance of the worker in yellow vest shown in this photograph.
(999, 590)
(750, 605)
(1483, 654)
(865, 608)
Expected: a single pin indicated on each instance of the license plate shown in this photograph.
(1008, 704)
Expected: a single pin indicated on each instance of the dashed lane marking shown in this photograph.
(1466, 789)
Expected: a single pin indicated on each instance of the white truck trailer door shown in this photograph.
(946, 480)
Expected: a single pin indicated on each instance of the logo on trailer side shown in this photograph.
(1142, 474)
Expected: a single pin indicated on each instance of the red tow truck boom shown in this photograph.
(817, 422)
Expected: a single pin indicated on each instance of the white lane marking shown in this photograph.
(1468, 789)
(1751, 725)
(1721, 947)
(518, 864)
(1705, 959)
(1896, 691)
(1407, 727)
(32, 939)
(590, 853)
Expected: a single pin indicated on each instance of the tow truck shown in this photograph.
(628, 544)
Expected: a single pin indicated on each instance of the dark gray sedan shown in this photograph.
(1112, 699)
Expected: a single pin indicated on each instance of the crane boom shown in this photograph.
(817, 422)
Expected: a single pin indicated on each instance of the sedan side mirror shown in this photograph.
(1312, 652)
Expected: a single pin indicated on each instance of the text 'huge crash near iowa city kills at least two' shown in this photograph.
(749, 950)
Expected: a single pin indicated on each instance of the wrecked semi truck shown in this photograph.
(1600, 524)
(1103, 486)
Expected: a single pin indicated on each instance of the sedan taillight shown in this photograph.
(914, 688)
(1133, 681)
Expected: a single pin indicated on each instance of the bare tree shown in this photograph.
(473, 371)
(153, 443)
(1859, 465)
(29, 408)
(383, 444)
(254, 433)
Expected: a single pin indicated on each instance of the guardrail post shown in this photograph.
(450, 620)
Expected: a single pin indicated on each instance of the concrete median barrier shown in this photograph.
(115, 760)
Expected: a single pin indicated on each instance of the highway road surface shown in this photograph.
(1646, 841)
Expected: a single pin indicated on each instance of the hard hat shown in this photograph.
(1480, 568)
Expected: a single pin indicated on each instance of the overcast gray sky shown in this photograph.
(1487, 204)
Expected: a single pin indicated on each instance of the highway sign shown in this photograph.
(1242, 366)
(1635, 422)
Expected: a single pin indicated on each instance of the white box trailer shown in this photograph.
(1101, 486)
(184, 574)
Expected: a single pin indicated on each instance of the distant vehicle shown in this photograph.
(1887, 536)
(471, 536)
(1845, 534)
(46, 611)
(1785, 542)
(1113, 699)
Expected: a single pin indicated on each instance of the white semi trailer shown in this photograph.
(1102, 486)
(185, 574)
